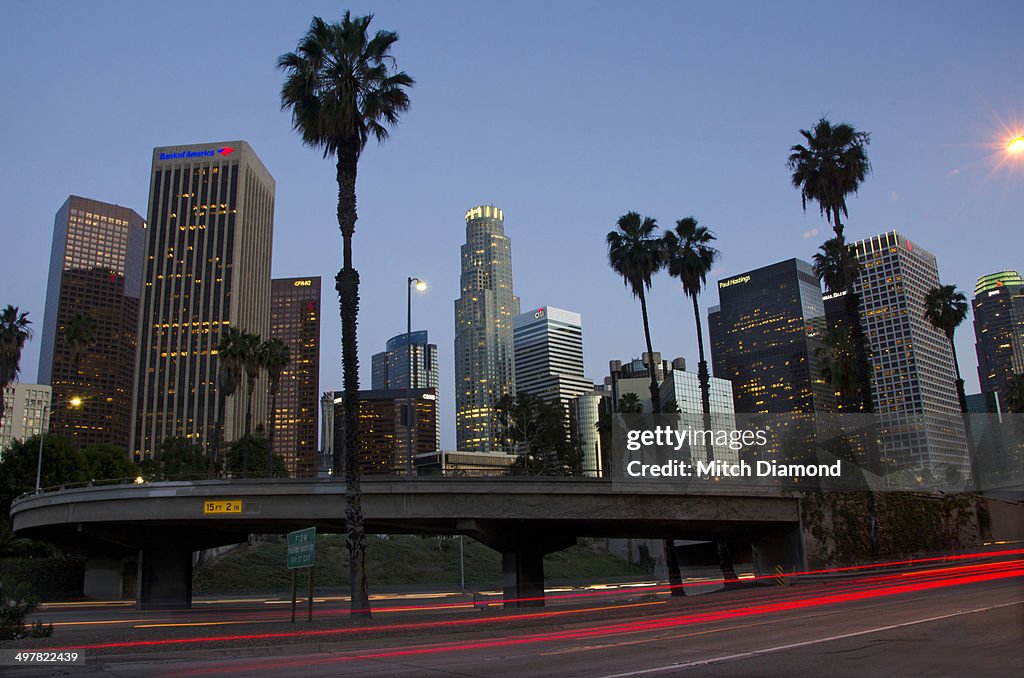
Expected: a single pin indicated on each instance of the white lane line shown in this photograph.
(781, 648)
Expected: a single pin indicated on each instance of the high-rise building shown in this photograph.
(295, 320)
(26, 412)
(999, 331)
(484, 371)
(584, 416)
(913, 384)
(95, 276)
(764, 336)
(382, 431)
(549, 355)
(390, 367)
(683, 388)
(207, 267)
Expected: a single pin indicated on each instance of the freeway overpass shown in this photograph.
(160, 525)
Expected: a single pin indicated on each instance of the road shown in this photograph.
(955, 618)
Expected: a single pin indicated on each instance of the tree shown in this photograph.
(259, 445)
(837, 266)
(832, 166)
(230, 365)
(945, 308)
(276, 358)
(536, 431)
(838, 358)
(79, 334)
(108, 462)
(62, 465)
(177, 459)
(629, 403)
(253, 358)
(14, 332)
(689, 256)
(343, 87)
(636, 254)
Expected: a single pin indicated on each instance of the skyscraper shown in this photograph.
(382, 431)
(913, 391)
(999, 331)
(207, 267)
(26, 412)
(390, 368)
(764, 336)
(295, 320)
(549, 355)
(95, 274)
(483, 330)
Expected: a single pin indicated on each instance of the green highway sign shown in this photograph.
(302, 548)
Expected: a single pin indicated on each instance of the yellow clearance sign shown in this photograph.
(222, 506)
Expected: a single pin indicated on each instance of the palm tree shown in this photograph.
(838, 268)
(945, 308)
(690, 257)
(79, 334)
(629, 403)
(343, 87)
(252, 350)
(831, 166)
(14, 332)
(636, 254)
(276, 357)
(230, 364)
(838, 358)
(1015, 395)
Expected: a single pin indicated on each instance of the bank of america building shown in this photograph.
(207, 267)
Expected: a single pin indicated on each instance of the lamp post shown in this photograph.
(75, 402)
(409, 416)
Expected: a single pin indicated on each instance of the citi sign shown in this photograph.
(227, 150)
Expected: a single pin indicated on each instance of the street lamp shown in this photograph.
(1016, 146)
(409, 416)
(74, 402)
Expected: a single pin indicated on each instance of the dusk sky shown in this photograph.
(564, 114)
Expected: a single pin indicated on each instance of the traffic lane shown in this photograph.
(660, 650)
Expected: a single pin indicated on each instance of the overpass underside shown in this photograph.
(160, 525)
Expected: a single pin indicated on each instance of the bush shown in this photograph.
(15, 604)
(45, 578)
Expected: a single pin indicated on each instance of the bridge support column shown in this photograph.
(165, 579)
(782, 548)
(102, 578)
(523, 578)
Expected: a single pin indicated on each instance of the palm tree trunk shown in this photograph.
(959, 382)
(270, 435)
(655, 392)
(705, 379)
(347, 284)
(218, 434)
(250, 387)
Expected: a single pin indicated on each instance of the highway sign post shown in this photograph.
(302, 554)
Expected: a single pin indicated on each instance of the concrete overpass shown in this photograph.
(162, 524)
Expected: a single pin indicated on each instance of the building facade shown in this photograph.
(999, 331)
(548, 345)
(207, 268)
(484, 353)
(382, 430)
(95, 275)
(295, 320)
(26, 413)
(390, 367)
(765, 335)
(913, 384)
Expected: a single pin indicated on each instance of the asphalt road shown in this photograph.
(951, 620)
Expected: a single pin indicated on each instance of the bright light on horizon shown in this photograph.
(1016, 145)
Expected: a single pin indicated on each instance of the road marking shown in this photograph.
(791, 646)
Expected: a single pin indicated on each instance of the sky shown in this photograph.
(564, 114)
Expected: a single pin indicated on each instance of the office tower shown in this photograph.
(26, 413)
(95, 276)
(483, 330)
(683, 388)
(999, 331)
(764, 336)
(390, 367)
(207, 268)
(584, 416)
(913, 391)
(549, 355)
(382, 432)
(295, 320)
